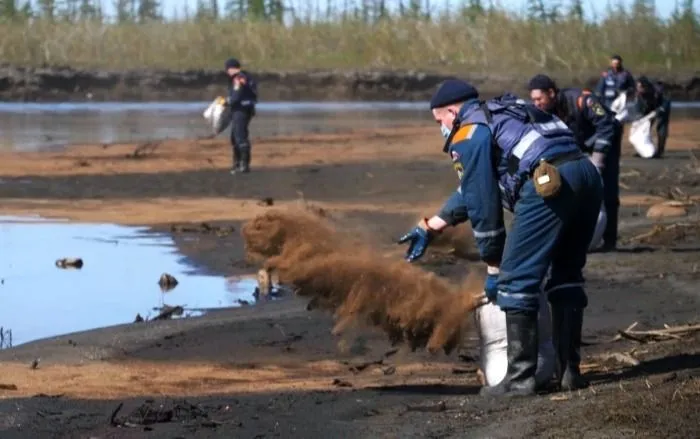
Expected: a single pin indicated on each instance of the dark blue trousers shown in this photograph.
(611, 188)
(554, 232)
(240, 137)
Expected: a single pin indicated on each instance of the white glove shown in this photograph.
(598, 160)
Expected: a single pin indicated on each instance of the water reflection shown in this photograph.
(119, 278)
(37, 126)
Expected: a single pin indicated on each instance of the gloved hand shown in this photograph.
(419, 238)
(491, 287)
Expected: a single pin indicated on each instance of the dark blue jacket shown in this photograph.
(246, 95)
(593, 124)
(494, 151)
(612, 83)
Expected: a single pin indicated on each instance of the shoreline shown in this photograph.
(54, 84)
(276, 368)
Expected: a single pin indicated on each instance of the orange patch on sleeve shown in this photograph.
(464, 133)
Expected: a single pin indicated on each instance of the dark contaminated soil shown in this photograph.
(275, 369)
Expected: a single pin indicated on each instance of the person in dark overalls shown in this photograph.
(596, 131)
(614, 81)
(242, 98)
(650, 97)
(509, 154)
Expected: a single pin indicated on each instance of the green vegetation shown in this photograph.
(266, 35)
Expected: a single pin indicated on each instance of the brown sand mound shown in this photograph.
(351, 280)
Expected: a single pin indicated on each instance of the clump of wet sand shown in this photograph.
(354, 282)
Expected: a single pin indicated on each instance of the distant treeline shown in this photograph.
(472, 37)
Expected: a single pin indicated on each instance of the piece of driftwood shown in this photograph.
(668, 332)
(621, 358)
(658, 228)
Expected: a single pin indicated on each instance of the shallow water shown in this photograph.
(119, 278)
(34, 126)
(46, 126)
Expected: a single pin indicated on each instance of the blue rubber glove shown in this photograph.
(491, 287)
(419, 239)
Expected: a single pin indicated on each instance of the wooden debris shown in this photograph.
(658, 229)
(341, 383)
(204, 228)
(668, 209)
(167, 282)
(143, 150)
(264, 282)
(621, 358)
(69, 263)
(669, 332)
(168, 312)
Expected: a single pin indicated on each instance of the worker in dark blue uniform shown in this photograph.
(596, 131)
(614, 81)
(650, 97)
(243, 96)
(508, 153)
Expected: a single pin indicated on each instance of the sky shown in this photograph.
(664, 7)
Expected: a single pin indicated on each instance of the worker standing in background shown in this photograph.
(242, 98)
(650, 97)
(596, 132)
(614, 81)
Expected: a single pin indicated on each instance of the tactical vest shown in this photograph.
(611, 84)
(522, 136)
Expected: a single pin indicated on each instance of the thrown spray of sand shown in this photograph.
(351, 280)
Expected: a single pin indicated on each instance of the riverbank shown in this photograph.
(66, 84)
(275, 369)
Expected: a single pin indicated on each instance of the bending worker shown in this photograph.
(596, 130)
(510, 154)
(243, 96)
(650, 98)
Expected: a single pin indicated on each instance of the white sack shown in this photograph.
(619, 107)
(218, 115)
(597, 240)
(640, 136)
(491, 326)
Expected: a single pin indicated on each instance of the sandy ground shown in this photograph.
(275, 370)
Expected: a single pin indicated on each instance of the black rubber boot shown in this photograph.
(521, 330)
(245, 160)
(567, 323)
(236, 159)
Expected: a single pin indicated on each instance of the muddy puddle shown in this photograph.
(119, 278)
(52, 126)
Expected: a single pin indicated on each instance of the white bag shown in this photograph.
(640, 136)
(491, 326)
(218, 115)
(619, 107)
(597, 240)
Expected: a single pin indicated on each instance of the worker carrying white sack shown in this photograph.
(648, 108)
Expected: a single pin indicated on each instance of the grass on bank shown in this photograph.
(492, 42)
